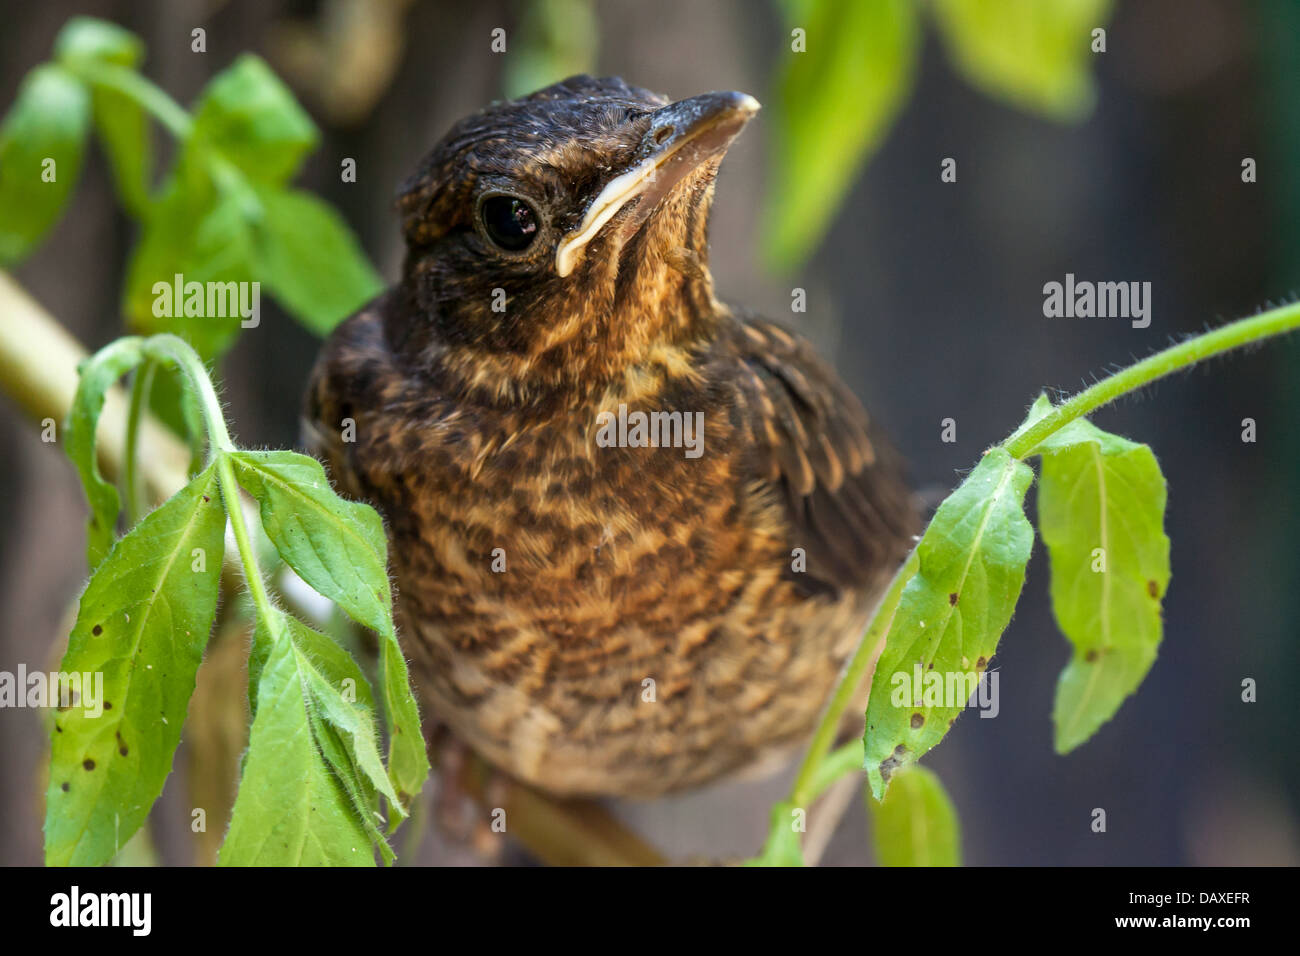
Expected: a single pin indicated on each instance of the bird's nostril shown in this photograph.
(662, 133)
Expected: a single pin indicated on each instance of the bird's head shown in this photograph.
(563, 236)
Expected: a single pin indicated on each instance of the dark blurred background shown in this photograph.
(928, 296)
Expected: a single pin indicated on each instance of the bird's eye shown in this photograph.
(509, 222)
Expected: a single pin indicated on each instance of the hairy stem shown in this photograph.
(172, 348)
(810, 779)
(133, 494)
(1175, 358)
(235, 509)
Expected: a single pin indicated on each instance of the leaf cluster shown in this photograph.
(313, 778)
(223, 212)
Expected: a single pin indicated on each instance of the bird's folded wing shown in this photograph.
(343, 389)
(840, 483)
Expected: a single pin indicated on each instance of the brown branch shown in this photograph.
(560, 832)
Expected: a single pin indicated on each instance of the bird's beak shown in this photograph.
(681, 136)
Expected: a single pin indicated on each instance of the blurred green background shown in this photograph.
(1123, 165)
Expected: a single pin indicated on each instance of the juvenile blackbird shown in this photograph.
(593, 606)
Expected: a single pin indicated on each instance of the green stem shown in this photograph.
(235, 509)
(1233, 335)
(172, 348)
(177, 350)
(141, 384)
(844, 759)
(131, 84)
(155, 101)
(813, 775)
(807, 783)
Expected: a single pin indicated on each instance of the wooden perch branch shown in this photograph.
(38, 369)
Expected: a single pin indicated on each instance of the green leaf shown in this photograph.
(333, 674)
(122, 124)
(176, 406)
(338, 547)
(143, 623)
(48, 121)
(328, 657)
(839, 763)
(360, 792)
(1033, 53)
(124, 132)
(916, 824)
(834, 104)
(252, 119)
(98, 374)
(408, 762)
(784, 846)
(291, 809)
(971, 568)
(222, 217)
(342, 729)
(85, 39)
(204, 235)
(1101, 509)
(311, 261)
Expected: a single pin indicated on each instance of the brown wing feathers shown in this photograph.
(845, 499)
